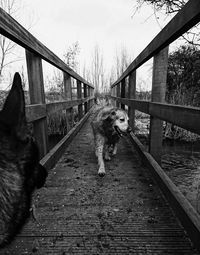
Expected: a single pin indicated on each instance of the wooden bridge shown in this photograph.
(135, 208)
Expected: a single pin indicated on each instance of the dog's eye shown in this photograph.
(122, 120)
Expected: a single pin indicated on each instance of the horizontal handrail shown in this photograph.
(64, 105)
(185, 19)
(38, 111)
(183, 116)
(35, 112)
(10, 28)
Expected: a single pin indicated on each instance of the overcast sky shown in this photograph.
(108, 23)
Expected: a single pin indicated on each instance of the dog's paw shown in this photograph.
(107, 157)
(101, 172)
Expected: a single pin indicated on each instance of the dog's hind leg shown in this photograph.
(107, 154)
(114, 152)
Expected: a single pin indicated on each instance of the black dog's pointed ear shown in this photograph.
(13, 113)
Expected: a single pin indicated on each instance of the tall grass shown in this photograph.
(59, 122)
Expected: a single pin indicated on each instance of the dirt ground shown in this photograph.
(79, 212)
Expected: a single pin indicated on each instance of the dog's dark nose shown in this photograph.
(129, 129)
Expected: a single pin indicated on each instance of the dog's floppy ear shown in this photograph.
(13, 113)
(109, 115)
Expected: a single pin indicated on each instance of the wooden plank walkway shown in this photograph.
(81, 213)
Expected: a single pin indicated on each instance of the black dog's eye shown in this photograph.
(113, 113)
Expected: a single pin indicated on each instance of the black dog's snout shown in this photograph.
(129, 129)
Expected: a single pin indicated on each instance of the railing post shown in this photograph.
(89, 94)
(79, 96)
(37, 96)
(115, 95)
(68, 96)
(160, 64)
(132, 95)
(123, 89)
(118, 93)
(92, 95)
(85, 96)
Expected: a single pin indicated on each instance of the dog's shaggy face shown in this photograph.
(108, 126)
(121, 121)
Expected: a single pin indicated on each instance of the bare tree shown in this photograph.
(97, 69)
(70, 56)
(170, 7)
(7, 46)
(122, 61)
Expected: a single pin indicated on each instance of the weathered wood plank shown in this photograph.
(189, 218)
(51, 158)
(79, 96)
(182, 22)
(67, 82)
(139, 105)
(10, 28)
(64, 105)
(123, 88)
(118, 93)
(35, 112)
(85, 96)
(132, 95)
(159, 80)
(182, 116)
(37, 96)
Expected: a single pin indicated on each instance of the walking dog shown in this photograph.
(20, 171)
(108, 126)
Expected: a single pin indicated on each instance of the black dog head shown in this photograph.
(16, 140)
(20, 171)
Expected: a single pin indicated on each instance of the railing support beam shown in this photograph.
(68, 96)
(79, 96)
(132, 95)
(37, 96)
(160, 64)
(118, 94)
(85, 95)
(123, 89)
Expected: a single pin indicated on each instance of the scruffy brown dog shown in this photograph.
(20, 171)
(108, 126)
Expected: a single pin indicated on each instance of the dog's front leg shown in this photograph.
(99, 153)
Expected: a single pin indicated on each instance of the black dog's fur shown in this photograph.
(20, 171)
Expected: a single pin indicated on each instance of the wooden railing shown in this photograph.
(185, 117)
(182, 116)
(38, 110)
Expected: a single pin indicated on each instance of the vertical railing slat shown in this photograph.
(37, 96)
(132, 95)
(79, 96)
(68, 96)
(123, 89)
(85, 96)
(160, 64)
(118, 93)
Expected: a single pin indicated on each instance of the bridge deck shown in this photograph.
(81, 213)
